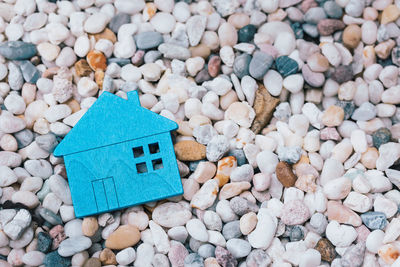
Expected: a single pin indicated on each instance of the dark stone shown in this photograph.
(231, 230)
(260, 64)
(148, 40)
(296, 233)
(44, 242)
(202, 76)
(374, 220)
(241, 65)
(347, 106)
(297, 29)
(8, 204)
(193, 260)
(30, 73)
(396, 56)
(3, 257)
(381, 136)
(225, 258)
(311, 30)
(246, 34)
(333, 10)
(54, 259)
(342, 74)
(50, 216)
(119, 61)
(239, 155)
(118, 20)
(286, 66)
(326, 249)
(17, 50)
(92, 262)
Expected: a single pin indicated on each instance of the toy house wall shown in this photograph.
(93, 169)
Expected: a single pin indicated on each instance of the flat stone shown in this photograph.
(260, 64)
(241, 65)
(246, 33)
(54, 259)
(118, 20)
(74, 245)
(148, 40)
(17, 50)
(174, 51)
(30, 73)
(195, 27)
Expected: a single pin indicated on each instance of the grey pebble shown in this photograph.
(241, 65)
(296, 233)
(47, 142)
(174, 51)
(50, 216)
(179, 37)
(206, 251)
(314, 15)
(374, 220)
(260, 64)
(258, 257)
(118, 20)
(30, 73)
(231, 230)
(193, 260)
(319, 222)
(333, 10)
(44, 191)
(239, 155)
(24, 138)
(15, 78)
(195, 27)
(148, 40)
(347, 106)
(354, 255)
(239, 248)
(355, 8)
(365, 112)
(243, 173)
(310, 29)
(17, 50)
(382, 34)
(152, 56)
(73, 245)
(108, 83)
(241, 206)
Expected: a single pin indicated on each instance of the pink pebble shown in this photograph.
(58, 235)
(329, 133)
(269, 49)
(295, 212)
(363, 233)
(177, 254)
(137, 57)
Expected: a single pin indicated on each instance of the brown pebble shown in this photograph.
(352, 36)
(326, 249)
(74, 105)
(82, 68)
(342, 74)
(106, 34)
(214, 65)
(99, 78)
(329, 26)
(50, 72)
(285, 174)
(96, 60)
(201, 50)
(264, 106)
(107, 257)
(188, 150)
(390, 14)
(89, 226)
(333, 116)
(92, 262)
(125, 236)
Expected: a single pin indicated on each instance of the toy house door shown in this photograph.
(105, 194)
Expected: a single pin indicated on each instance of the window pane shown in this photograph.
(141, 167)
(157, 164)
(154, 148)
(138, 151)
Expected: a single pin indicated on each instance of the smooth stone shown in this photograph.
(195, 27)
(260, 64)
(118, 20)
(174, 51)
(381, 136)
(171, 215)
(286, 66)
(54, 259)
(15, 77)
(73, 245)
(241, 65)
(148, 40)
(246, 33)
(17, 50)
(333, 10)
(314, 14)
(365, 112)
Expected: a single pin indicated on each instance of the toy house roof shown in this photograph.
(110, 120)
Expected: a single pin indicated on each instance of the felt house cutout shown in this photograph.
(119, 154)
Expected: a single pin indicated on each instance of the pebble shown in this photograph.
(246, 33)
(118, 20)
(54, 259)
(163, 22)
(162, 215)
(265, 229)
(374, 220)
(326, 249)
(73, 245)
(241, 65)
(148, 40)
(329, 26)
(381, 136)
(17, 50)
(123, 237)
(260, 64)
(224, 257)
(295, 212)
(195, 27)
(285, 174)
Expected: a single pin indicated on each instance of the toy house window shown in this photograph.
(141, 167)
(154, 148)
(138, 152)
(157, 164)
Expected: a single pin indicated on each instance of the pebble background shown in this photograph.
(289, 122)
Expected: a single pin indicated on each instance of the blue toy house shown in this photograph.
(119, 154)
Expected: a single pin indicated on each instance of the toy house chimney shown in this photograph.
(133, 97)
